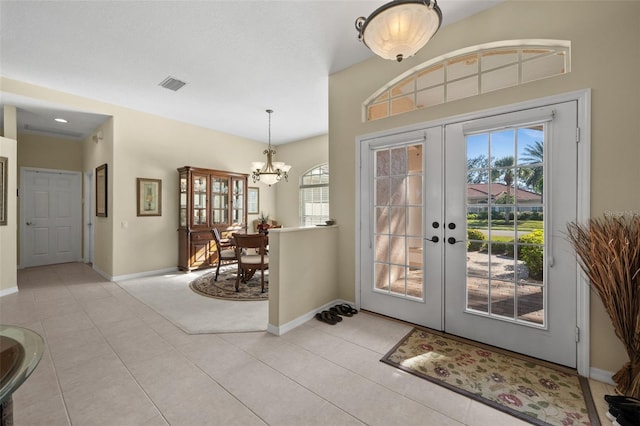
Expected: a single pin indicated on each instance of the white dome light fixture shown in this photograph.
(270, 172)
(400, 28)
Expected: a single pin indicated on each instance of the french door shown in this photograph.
(463, 229)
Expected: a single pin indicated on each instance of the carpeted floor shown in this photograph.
(225, 289)
(532, 390)
(170, 296)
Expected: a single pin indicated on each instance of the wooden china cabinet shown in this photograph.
(208, 199)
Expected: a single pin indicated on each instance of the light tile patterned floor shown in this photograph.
(110, 360)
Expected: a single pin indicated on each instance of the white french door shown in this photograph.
(462, 229)
(399, 195)
(51, 217)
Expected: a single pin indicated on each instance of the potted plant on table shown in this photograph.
(609, 252)
(263, 223)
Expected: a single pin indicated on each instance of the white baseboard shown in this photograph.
(101, 273)
(280, 330)
(602, 376)
(144, 274)
(8, 291)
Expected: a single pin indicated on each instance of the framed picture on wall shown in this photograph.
(101, 191)
(253, 200)
(4, 188)
(149, 197)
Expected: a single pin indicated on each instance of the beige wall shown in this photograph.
(303, 273)
(46, 152)
(8, 239)
(303, 155)
(605, 39)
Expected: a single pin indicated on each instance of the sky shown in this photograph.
(504, 143)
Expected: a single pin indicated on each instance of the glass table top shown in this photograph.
(20, 353)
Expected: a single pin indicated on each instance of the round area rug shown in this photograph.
(224, 288)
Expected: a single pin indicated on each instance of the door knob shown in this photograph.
(452, 226)
(434, 239)
(452, 240)
(436, 225)
(29, 223)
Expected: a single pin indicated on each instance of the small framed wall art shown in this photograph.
(149, 197)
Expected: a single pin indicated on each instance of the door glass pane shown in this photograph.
(183, 199)
(505, 222)
(398, 221)
(382, 220)
(220, 200)
(237, 208)
(502, 298)
(477, 294)
(199, 200)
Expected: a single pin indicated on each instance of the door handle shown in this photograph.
(452, 240)
(433, 239)
(29, 223)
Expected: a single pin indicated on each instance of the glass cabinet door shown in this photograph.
(199, 200)
(237, 211)
(219, 200)
(183, 199)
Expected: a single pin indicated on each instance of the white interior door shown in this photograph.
(89, 214)
(507, 181)
(51, 216)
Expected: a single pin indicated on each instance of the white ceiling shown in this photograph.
(238, 59)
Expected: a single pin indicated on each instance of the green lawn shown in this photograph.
(524, 225)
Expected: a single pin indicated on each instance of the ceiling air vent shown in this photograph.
(172, 83)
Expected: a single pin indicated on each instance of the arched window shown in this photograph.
(469, 72)
(314, 196)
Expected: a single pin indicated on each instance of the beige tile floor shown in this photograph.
(110, 360)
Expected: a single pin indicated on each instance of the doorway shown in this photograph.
(50, 216)
(463, 224)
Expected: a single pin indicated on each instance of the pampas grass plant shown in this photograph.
(609, 253)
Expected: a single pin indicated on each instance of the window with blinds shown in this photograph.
(314, 196)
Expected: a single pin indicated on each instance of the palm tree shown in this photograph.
(477, 169)
(503, 171)
(534, 155)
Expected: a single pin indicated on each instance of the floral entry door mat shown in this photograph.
(532, 390)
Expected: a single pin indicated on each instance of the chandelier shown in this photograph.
(272, 171)
(400, 28)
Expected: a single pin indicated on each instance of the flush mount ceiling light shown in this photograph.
(400, 28)
(270, 172)
(60, 120)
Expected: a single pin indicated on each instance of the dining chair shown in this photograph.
(251, 251)
(226, 252)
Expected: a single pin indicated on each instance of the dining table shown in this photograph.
(20, 352)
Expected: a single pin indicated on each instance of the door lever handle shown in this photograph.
(452, 240)
(433, 239)
(29, 223)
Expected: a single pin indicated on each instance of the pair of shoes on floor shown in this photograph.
(334, 314)
(344, 310)
(328, 317)
(623, 410)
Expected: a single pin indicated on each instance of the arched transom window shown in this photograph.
(469, 72)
